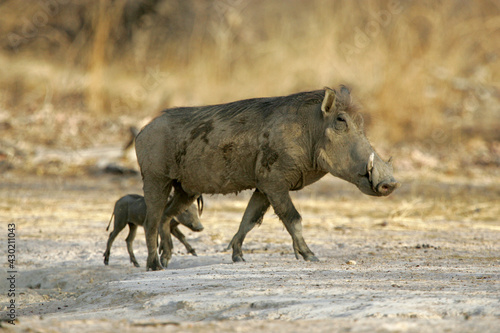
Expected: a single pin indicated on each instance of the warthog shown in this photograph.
(131, 210)
(274, 145)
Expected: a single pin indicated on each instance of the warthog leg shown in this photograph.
(256, 208)
(156, 193)
(119, 224)
(130, 239)
(174, 230)
(179, 203)
(284, 208)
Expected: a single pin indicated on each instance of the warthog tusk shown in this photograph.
(369, 166)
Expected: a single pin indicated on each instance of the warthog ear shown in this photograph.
(329, 101)
(345, 96)
(345, 91)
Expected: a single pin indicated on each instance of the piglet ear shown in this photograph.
(329, 101)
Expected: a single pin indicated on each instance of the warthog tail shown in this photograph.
(110, 221)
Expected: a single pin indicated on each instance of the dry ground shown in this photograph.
(425, 258)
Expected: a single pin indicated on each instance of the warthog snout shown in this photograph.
(380, 170)
(386, 188)
(197, 228)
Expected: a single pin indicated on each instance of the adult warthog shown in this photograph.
(274, 145)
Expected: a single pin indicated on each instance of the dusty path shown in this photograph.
(427, 258)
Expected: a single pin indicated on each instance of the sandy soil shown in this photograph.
(426, 258)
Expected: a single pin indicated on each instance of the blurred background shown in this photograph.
(75, 75)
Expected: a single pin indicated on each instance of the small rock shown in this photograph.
(350, 262)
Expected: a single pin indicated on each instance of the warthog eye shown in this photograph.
(340, 122)
(340, 117)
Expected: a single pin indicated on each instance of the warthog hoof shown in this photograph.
(155, 268)
(193, 252)
(311, 258)
(154, 265)
(308, 256)
(164, 262)
(238, 258)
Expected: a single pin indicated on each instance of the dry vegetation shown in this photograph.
(76, 74)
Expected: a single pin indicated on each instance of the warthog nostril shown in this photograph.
(386, 188)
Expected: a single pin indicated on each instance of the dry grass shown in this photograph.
(78, 74)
